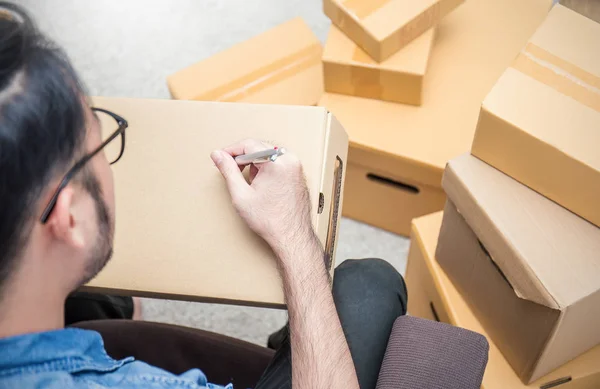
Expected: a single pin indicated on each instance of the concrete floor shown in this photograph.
(128, 47)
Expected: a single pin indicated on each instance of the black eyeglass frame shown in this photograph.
(81, 163)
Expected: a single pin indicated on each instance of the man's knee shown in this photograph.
(370, 269)
(373, 276)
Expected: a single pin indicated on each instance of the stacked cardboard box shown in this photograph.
(407, 88)
(520, 236)
(540, 124)
(382, 27)
(527, 266)
(433, 296)
(398, 151)
(279, 66)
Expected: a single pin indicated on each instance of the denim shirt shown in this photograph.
(75, 358)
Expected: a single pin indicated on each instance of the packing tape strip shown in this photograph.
(266, 76)
(366, 81)
(561, 75)
(362, 9)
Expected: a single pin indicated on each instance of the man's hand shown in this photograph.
(276, 203)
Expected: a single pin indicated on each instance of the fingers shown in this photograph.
(253, 172)
(236, 183)
(246, 146)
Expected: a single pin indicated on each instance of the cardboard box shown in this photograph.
(388, 200)
(279, 66)
(474, 45)
(177, 234)
(588, 8)
(433, 296)
(527, 266)
(383, 27)
(540, 123)
(349, 70)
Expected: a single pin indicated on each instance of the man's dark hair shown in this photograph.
(42, 126)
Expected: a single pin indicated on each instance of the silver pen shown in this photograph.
(269, 155)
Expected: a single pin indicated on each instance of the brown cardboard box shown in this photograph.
(433, 296)
(349, 70)
(388, 200)
(382, 27)
(177, 234)
(528, 267)
(279, 66)
(473, 46)
(540, 123)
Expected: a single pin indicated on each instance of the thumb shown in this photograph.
(236, 183)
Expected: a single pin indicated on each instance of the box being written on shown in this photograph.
(527, 267)
(434, 297)
(540, 124)
(349, 70)
(177, 234)
(279, 66)
(382, 27)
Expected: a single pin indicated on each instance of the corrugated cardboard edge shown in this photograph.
(483, 227)
(336, 146)
(180, 297)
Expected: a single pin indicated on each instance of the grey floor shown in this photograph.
(128, 47)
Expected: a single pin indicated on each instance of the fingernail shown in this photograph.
(216, 156)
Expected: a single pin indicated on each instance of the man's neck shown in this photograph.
(27, 307)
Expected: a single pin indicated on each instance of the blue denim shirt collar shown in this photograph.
(72, 350)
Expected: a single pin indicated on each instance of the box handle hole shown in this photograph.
(555, 383)
(396, 184)
(434, 312)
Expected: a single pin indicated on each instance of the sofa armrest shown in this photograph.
(427, 354)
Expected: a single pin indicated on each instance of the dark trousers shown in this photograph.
(369, 295)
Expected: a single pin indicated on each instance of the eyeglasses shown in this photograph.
(113, 146)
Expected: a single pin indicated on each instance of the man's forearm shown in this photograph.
(320, 354)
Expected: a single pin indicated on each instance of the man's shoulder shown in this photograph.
(48, 380)
(73, 358)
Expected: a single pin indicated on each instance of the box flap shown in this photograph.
(581, 373)
(176, 230)
(229, 75)
(474, 44)
(548, 254)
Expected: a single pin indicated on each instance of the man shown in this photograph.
(57, 227)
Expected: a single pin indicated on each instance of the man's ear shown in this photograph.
(62, 221)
